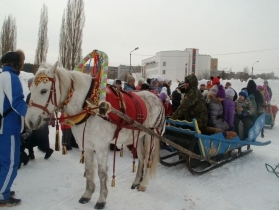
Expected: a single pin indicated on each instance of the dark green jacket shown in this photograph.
(193, 105)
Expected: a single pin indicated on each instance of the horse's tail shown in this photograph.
(155, 160)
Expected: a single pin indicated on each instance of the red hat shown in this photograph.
(215, 80)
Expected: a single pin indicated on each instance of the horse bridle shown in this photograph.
(43, 78)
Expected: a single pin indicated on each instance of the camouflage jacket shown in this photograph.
(247, 106)
(193, 105)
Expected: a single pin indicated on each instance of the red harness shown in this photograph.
(127, 102)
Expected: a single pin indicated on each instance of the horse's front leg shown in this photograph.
(89, 175)
(139, 175)
(102, 159)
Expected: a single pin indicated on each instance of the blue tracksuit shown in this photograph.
(11, 96)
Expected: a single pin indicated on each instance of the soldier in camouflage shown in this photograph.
(193, 105)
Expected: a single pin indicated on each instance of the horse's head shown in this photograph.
(45, 95)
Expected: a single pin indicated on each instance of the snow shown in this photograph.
(58, 183)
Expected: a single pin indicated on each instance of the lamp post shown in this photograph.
(131, 56)
(253, 67)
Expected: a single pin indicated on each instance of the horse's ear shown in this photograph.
(53, 68)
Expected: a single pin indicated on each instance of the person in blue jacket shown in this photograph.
(13, 108)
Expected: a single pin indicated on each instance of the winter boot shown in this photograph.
(12, 193)
(48, 153)
(31, 154)
(10, 202)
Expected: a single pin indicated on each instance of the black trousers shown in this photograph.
(247, 124)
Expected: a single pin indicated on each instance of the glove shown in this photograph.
(244, 114)
(24, 135)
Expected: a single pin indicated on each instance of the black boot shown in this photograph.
(10, 202)
(31, 154)
(25, 158)
(48, 153)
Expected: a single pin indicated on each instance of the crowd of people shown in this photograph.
(216, 108)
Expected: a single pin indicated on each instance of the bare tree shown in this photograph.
(42, 46)
(71, 34)
(8, 35)
(63, 43)
(203, 75)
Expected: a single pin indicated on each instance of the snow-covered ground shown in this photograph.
(244, 184)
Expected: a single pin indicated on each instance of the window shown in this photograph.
(164, 63)
(164, 71)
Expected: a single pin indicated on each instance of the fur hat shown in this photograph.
(15, 59)
(243, 93)
(215, 80)
(229, 93)
(221, 92)
(129, 78)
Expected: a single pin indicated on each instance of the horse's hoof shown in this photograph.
(141, 188)
(134, 186)
(100, 205)
(84, 200)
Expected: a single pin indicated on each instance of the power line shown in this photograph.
(247, 52)
(216, 54)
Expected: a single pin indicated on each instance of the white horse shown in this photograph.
(49, 91)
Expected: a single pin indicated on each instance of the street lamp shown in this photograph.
(131, 56)
(253, 68)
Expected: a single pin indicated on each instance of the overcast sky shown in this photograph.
(245, 31)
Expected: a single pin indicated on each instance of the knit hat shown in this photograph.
(160, 78)
(215, 80)
(229, 93)
(221, 92)
(129, 78)
(265, 82)
(243, 93)
(167, 81)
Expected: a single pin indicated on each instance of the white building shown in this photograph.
(175, 65)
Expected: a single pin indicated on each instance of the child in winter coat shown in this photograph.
(244, 109)
(130, 83)
(215, 109)
(229, 108)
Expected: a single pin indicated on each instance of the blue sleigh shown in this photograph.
(213, 147)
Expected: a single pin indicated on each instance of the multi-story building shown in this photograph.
(214, 64)
(175, 65)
